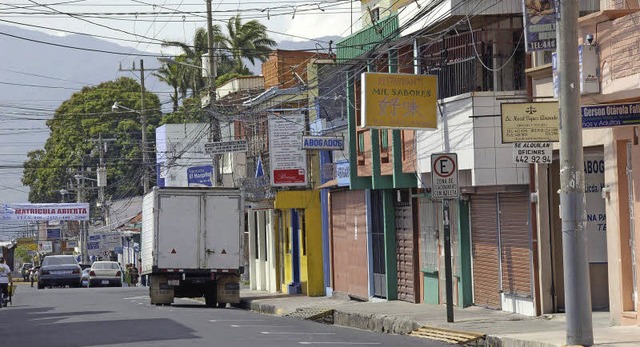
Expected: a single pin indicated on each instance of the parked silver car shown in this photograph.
(59, 270)
(105, 273)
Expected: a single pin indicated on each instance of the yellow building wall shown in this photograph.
(311, 272)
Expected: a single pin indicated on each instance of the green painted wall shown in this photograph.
(390, 254)
(465, 293)
(431, 287)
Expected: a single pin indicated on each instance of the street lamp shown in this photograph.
(143, 124)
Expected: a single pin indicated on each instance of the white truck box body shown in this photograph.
(192, 229)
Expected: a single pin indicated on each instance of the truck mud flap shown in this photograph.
(228, 290)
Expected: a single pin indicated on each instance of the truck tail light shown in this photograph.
(118, 273)
(76, 271)
(45, 272)
(91, 273)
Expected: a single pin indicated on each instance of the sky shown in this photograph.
(142, 24)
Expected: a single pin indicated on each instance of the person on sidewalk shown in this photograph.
(5, 281)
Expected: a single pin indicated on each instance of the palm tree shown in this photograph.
(248, 41)
(171, 75)
(191, 54)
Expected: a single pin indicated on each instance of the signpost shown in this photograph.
(215, 148)
(444, 186)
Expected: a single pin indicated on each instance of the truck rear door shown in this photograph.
(178, 231)
(223, 231)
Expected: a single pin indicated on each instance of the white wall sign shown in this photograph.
(532, 152)
(288, 162)
(596, 226)
(444, 176)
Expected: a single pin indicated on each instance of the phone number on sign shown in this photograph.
(533, 159)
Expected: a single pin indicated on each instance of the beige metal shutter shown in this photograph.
(339, 247)
(515, 244)
(484, 247)
(349, 259)
(405, 247)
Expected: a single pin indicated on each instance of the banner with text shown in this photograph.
(48, 211)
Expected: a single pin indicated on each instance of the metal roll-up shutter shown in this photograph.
(484, 248)
(349, 243)
(405, 249)
(339, 247)
(515, 242)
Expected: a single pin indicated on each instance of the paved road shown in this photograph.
(123, 317)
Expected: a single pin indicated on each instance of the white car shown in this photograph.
(105, 274)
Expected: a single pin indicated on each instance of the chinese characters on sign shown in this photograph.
(288, 163)
(399, 101)
(530, 122)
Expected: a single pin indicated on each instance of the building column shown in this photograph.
(252, 251)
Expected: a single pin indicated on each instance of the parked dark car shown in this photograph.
(59, 270)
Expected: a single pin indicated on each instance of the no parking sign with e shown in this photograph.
(444, 176)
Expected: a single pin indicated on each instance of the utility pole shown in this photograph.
(82, 224)
(215, 122)
(143, 125)
(577, 289)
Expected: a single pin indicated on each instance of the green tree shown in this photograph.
(72, 148)
(246, 41)
(22, 254)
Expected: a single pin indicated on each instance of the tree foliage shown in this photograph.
(72, 147)
(21, 253)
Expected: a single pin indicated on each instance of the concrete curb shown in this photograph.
(379, 323)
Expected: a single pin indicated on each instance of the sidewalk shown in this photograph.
(501, 328)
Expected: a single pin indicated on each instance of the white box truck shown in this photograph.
(191, 244)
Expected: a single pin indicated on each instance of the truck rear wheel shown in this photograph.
(210, 299)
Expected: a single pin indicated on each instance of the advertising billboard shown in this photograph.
(288, 162)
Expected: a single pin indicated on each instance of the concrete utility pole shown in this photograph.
(82, 224)
(215, 122)
(577, 289)
(143, 125)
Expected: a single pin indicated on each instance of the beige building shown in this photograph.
(610, 65)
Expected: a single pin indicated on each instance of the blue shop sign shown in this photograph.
(200, 176)
(598, 116)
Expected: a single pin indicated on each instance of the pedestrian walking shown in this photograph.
(5, 282)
